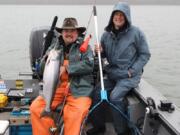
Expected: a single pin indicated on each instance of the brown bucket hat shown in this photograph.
(71, 23)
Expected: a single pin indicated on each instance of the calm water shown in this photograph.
(161, 25)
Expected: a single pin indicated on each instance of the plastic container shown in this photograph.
(20, 130)
(3, 100)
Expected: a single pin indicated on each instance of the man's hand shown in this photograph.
(62, 70)
(98, 48)
(129, 73)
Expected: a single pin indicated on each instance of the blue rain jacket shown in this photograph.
(127, 50)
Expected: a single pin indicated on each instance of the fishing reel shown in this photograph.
(153, 113)
(151, 123)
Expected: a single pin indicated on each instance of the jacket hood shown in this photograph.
(122, 7)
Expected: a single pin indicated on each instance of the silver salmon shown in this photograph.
(51, 77)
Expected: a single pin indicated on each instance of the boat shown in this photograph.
(148, 110)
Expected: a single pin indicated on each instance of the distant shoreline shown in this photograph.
(88, 2)
(160, 4)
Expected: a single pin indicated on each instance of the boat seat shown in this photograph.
(135, 109)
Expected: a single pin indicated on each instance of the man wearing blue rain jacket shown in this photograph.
(126, 50)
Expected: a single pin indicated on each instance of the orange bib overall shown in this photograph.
(74, 110)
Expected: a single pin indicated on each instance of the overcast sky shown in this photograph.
(77, 2)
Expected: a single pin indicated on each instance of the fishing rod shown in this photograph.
(59, 124)
(48, 40)
(88, 24)
(84, 46)
(49, 36)
(103, 92)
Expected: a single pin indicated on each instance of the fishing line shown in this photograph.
(58, 126)
(89, 21)
(90, 18)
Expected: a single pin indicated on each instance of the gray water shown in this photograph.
(161, 24)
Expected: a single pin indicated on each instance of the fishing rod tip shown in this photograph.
(94, 9)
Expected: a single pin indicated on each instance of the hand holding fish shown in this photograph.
(62, 70)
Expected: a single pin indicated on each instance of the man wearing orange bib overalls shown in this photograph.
(76, 83)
